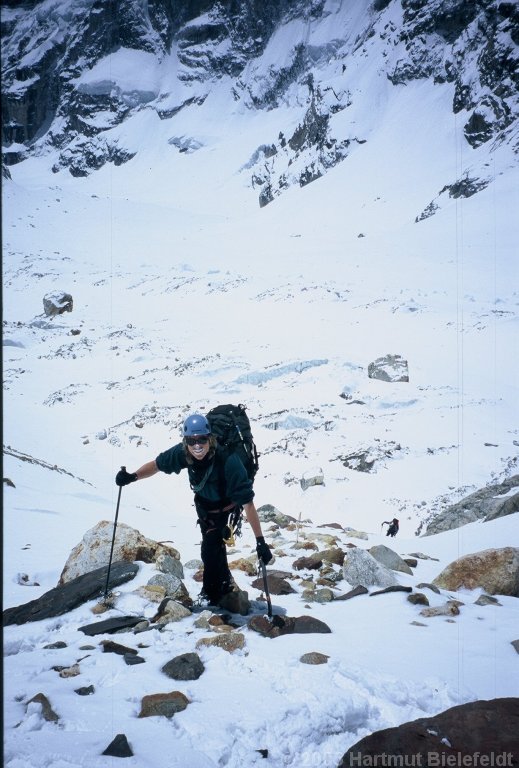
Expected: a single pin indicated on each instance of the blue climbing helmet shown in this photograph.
(196, 424)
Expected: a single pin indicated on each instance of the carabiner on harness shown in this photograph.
(233, 528)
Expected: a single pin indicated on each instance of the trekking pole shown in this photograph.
(113, 539)
(266, 588)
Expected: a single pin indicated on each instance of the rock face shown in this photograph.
(485, 504)
(480, 727)
(361, 569)
(56, 94)
(93, 551)
(495, 570)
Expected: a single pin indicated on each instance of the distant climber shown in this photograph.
(393, 527)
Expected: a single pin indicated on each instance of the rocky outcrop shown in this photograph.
(485, 504)
(494, 570)
(65, 86)
(483, 728)
(130, 545)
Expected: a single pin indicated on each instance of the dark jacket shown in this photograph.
(227, 480)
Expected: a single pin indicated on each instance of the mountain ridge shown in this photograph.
(75, 73)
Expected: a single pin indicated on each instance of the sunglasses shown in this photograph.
(200, 440)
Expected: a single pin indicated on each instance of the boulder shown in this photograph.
(119, 747)
(228, 641)
(236, 601)
(276, 585)
(47, 712)
(485, 504)
(64, 598)
(170, 565)
(267, 513)
(312, 562)
(287, 625)
(361, 568)
(450, 608)
(93, 550)
(389, 368)
(389, 559)
(479, 728)
(312, 477)
(173, 586)
(187, 666)
(314, 657)
(494, 570)
(163, 704)
(56, 303)
(108, 626)
(170, 611)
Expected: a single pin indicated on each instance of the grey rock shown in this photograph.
(418, 598)
(487, 600)
(170, 565)
(119, 747)
(64, 598)
(314, 657)
(132, 659)
(276, 585)
(389, 368)
(390, 559)
(57, 303)
(361, 568)
(187, 666)
(286, 625)
(85, 690)
(314, 477)
(108, 626)
(109, 646)
(170, 611)
(267, 513)
(236, 601)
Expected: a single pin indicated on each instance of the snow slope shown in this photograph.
(187, 294)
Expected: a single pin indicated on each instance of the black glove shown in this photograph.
(263, 550)
(125, 478)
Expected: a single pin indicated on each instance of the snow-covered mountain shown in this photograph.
(76, 74)
(142, 142)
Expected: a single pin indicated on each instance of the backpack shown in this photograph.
(231, 427)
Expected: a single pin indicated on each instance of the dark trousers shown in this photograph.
(217, 575)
